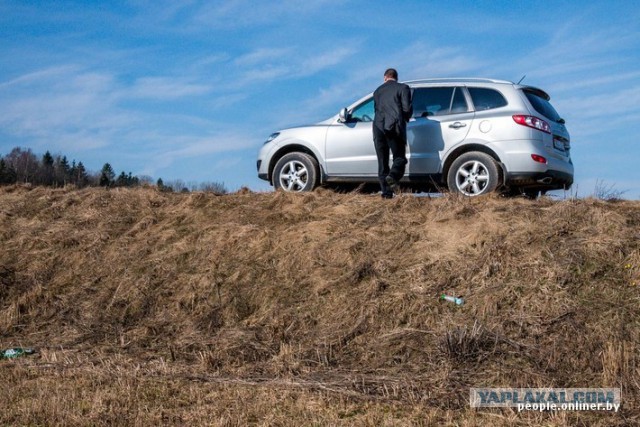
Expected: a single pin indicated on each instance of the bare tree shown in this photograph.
(24, 163)
(213, 187)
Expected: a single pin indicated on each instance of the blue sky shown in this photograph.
(190, 89)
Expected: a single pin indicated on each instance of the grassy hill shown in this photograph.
(151, 308)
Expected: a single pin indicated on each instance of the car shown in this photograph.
(472, 136)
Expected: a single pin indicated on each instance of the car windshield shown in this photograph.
(542, 106)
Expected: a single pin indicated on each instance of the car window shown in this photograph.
(438, 101)
(486, 99)
(432, 101)
(542, 106)
(363, 112)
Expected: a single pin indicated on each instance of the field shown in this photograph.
(152, 308)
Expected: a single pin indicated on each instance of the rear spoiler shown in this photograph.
(536, 91)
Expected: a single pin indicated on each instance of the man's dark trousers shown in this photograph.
(385, 141)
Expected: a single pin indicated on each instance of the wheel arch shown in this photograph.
(293, 148)
(467, 148)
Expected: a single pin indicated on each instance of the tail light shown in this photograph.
(532, 122)
(538, 158)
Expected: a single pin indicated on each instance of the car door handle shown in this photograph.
(457, 125)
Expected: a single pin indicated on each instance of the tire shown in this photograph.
(295, 172)
(473, 174)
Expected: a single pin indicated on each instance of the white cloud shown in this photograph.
(195, 147)
(266, 55)
(260, 74)
(285, 63)
(227, 164)
(621, 79)
(313, 64)
(59, 101)
(163, 10)
(573, 51)
(38, 76)
(244, 13)
(68, 108)
(423, 61)
(603, 105)
(166, 88)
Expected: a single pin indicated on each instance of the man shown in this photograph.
(393, 109)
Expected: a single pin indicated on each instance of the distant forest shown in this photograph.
(22, 166)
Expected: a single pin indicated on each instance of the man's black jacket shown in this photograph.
(393, 107)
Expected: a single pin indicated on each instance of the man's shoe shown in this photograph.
(393, 184)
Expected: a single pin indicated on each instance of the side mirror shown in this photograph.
(343, 116)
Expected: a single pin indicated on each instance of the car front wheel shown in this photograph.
(295, 172)
(473, 174)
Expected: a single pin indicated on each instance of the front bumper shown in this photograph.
(262, 175)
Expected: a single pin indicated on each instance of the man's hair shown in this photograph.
(391, 73)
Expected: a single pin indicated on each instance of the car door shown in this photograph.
(349, 149)
(442, 119)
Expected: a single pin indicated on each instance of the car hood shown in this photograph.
(324, 123)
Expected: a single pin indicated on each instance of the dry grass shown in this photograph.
(317, 309)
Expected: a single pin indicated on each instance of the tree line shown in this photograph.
(22, 166)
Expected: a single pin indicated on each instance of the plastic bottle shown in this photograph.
(455, 300)
(12, 353)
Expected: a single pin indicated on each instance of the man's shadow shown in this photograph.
(425, 142)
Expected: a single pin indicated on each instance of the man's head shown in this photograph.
(390, 74)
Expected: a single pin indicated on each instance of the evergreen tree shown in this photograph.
(62, 170)
(122, 180)
(163, 187)
(45, 175)
(125, 180)
(72, 171)
(47, 159)
(107, 176)
(80, 176)
(132, 181)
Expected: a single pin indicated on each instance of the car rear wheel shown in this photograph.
(295, 172)
(473, 174)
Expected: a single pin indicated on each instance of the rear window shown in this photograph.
(486, 99)
(542, 106)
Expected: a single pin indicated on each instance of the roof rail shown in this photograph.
(459, 80)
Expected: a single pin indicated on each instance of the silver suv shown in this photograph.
(472, 136)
